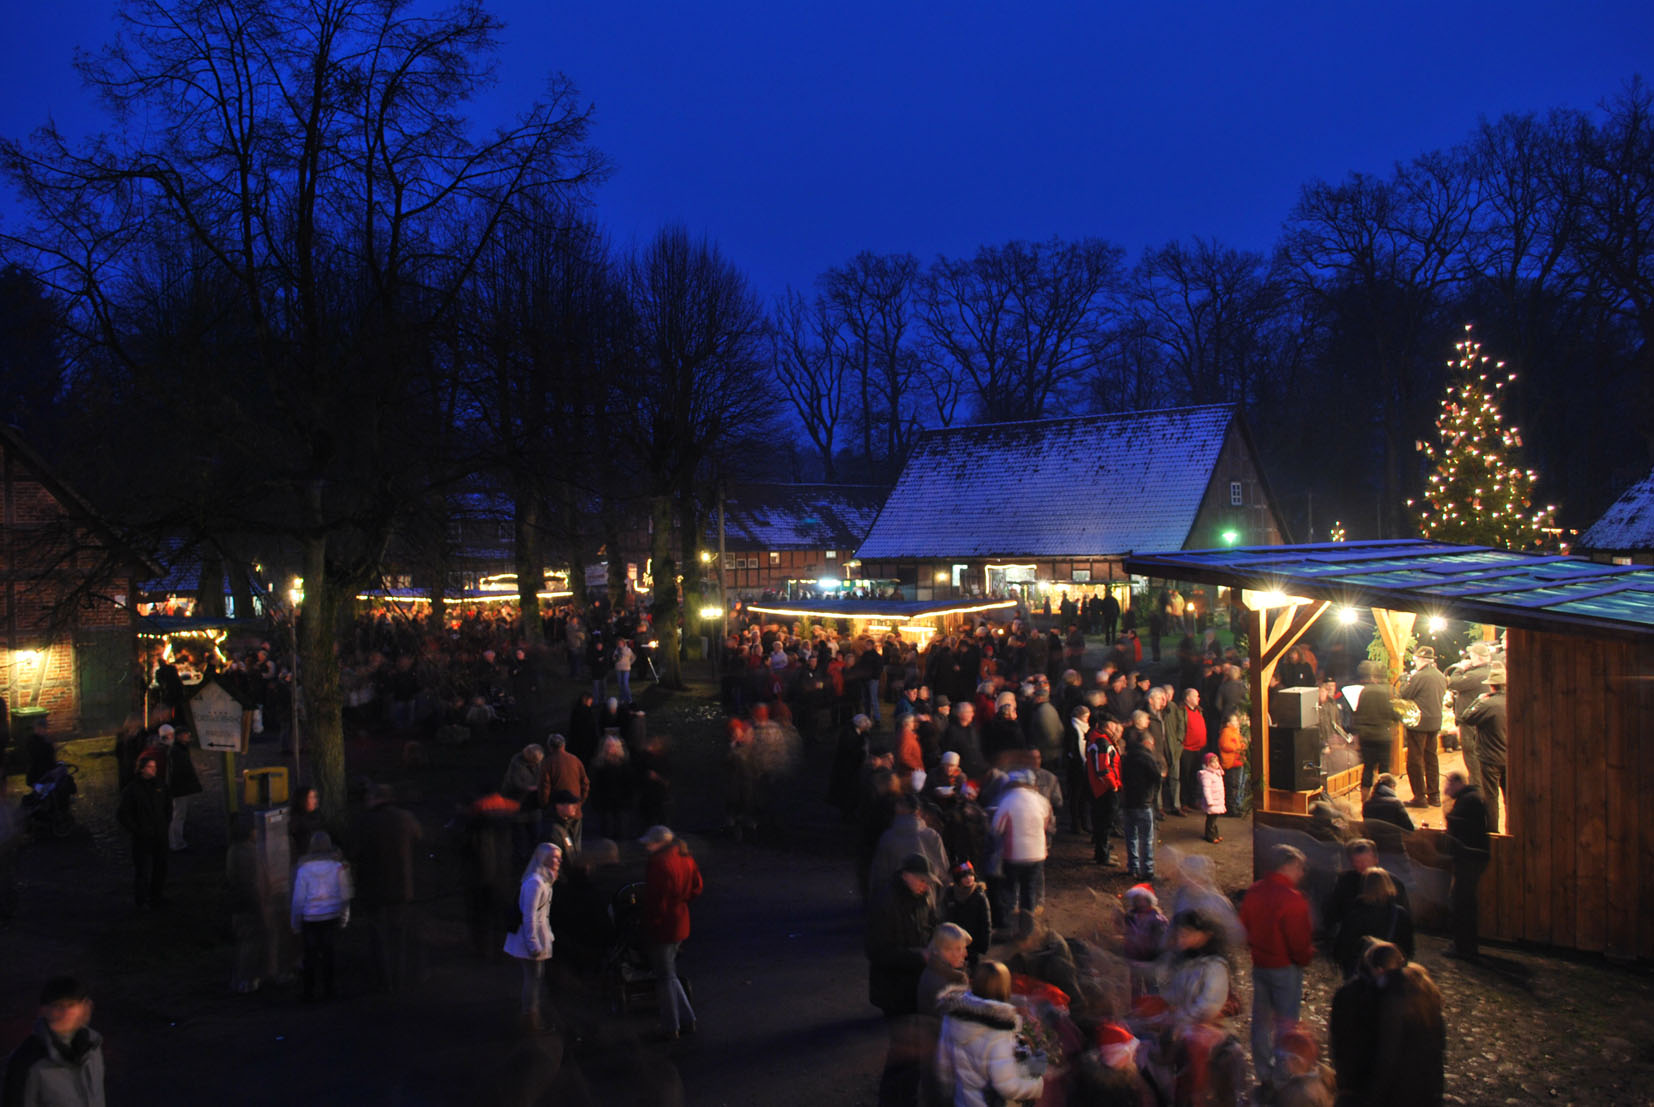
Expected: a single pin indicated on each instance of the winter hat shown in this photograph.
(151, 754)
(1117, 1044)
(1425, 653)
(915, 863)
(656, 836)
(1006, 699)
(1297, 1044)
(941, 701)
(861, 722)
(963, 869)
(1137, 894)
(1496, 674)
(951, 759)
(1211, 759)
(563, 795)
(165, 732)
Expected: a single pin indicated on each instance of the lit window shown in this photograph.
(832, 555)
(1236, 495)
(775, 557)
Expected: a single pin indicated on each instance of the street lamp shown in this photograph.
(1230, 537)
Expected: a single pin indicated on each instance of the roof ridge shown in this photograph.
(1230, 407)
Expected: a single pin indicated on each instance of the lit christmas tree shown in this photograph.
(1479, 494)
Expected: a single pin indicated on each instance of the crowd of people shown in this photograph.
(954, 768)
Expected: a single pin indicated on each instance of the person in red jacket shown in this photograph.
(1102, 772)
(673, 879)
(1276, 916)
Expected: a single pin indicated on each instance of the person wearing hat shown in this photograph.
(1427, 687)
(671, 880)
(1374, 722)
(1486, 716)
(145, 813)
(965, 904)
(1467, 679)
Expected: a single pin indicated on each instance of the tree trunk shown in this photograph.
(530, 563)
(664, 608)
(324, 732)
(209, 589)
(573, 535)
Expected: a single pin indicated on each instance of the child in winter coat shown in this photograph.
(1211, 792)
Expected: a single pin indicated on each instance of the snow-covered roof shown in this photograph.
(799, 516)
(1096, 485)
(1628, 525)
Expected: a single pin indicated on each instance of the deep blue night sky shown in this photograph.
(796, 135)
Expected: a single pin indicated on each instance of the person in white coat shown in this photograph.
(322, 891)
(531, 942)
(978, 1048)
(1022, 821)
(624, 656)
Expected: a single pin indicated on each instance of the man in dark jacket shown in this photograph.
(1467, 680)
(1003, 734)
(965, 739)
(384, 840)
(145, 813)
(1374, 722)
(899, 926)
(61, 1063)
(1487, 716)
(1467, 843)
(1427, 687)
(1139, 789)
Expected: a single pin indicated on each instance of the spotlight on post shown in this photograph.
(1347, 616)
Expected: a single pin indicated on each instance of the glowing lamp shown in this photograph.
(1437, 624)
(1347, 616)
(1230, 537)
(712, 612)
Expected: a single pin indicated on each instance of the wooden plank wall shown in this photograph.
(1581, 782)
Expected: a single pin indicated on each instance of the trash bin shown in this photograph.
(264, 787)
(25, 719)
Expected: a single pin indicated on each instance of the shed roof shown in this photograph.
(1053, 488)
(1534, 591)
(1628, 524)
(800, 516)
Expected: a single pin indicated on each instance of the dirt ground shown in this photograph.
(775, 960)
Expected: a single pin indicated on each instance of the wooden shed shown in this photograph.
(1576, 865)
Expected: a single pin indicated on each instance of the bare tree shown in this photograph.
(808, 356)
(698, 396)
(1376, 261)
(873, 297)
(1208, 308)
(1020, 320)
(1613, 235)
(308, 163)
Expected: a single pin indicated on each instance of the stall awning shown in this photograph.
(900, 611)
(1542, 592)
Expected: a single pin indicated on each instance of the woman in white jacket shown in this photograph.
(978, 1048)
(531, 942)
(322, 892)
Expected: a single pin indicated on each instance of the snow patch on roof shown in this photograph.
(1097, 485)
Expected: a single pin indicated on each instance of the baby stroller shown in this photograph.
(626, 969)
(46, 804)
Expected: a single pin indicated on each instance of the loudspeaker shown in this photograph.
(1292, 707)
(1294, 758)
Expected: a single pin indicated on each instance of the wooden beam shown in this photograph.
(1290, 625)
(1394, 628)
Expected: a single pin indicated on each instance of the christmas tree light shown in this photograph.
(1478, 494)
